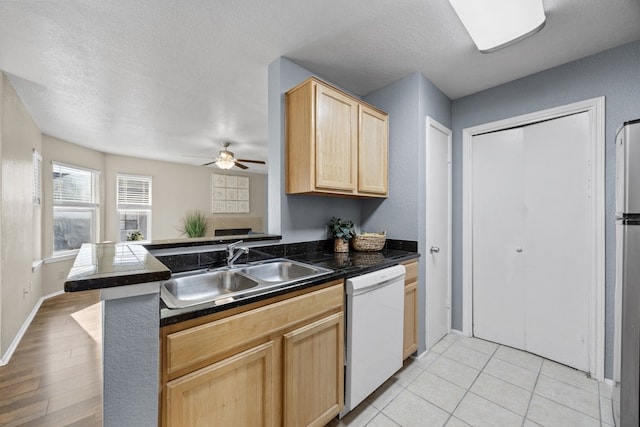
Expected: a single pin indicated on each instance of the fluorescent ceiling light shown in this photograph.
(494, 24)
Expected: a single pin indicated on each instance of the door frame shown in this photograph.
(596, 288)
(432, 123)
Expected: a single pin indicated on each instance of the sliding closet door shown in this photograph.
(531, 238)
(498, 289)
(557, 237)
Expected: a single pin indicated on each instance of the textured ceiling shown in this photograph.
(167, 79)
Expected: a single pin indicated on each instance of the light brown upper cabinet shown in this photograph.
(336, 144)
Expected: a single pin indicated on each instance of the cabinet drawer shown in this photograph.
(412, 271)
(195, 347)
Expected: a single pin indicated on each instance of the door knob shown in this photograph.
(434, 249)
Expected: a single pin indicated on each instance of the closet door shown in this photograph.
(498, 288)
(557, 237)
(531, 238)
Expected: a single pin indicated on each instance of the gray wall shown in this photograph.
(131, 357)
(408, 101)
(398, 214)
(615, 74)
(299, 218)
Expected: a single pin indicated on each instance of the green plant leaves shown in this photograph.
(341, 229)
(194, 224)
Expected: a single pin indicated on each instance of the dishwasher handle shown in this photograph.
(375, 286)
(372, 281)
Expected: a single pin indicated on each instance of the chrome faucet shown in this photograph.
(231, 257)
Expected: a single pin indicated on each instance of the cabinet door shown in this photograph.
(237, 391)
(300, 129)
(410, 335)
(336, 140)
(313, 372)
(372, 152)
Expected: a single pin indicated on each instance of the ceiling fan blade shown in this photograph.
(262, 162)
(210, 163)
(200, 157)
(240, 165)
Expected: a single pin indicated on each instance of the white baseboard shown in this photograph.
(23, 329)
(451, 331)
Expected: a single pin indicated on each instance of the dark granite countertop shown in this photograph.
(107, 265)
(204, 241)
(344, 266)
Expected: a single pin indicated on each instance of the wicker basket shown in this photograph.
(370, 242)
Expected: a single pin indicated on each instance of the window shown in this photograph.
(37, 178)
(75, 207)
(134, 207)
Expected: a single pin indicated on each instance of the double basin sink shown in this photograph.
(227, 284)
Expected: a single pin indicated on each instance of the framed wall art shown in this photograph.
(230, 194)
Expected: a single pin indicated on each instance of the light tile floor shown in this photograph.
(470, 382)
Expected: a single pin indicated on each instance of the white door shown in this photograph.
(531, 238)
(498, 288)
(557, 239)
(438, 229)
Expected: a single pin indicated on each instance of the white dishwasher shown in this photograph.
(374, 324)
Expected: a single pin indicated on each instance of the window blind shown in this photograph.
(134, 190)
(73, 186)
(75, 207)
(37, 178)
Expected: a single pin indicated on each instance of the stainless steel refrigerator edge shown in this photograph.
(626, 393)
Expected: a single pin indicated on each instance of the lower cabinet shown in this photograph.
(280, 363)
(235, 391)
(410, 338)
(313, 372)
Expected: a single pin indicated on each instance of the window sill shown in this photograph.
(36, 265)
(62, 257)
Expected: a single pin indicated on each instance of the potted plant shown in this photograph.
(134, 236)
(342, 231)
(194, 224)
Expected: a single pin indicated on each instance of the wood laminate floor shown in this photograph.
(55, 375)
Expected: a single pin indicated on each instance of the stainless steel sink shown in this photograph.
(281, 271)
(207, 286)
(227, 284)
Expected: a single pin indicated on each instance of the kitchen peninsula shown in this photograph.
(129, 277)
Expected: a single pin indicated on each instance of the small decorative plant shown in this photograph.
(194, 224)
(341, 229)
(135, 235)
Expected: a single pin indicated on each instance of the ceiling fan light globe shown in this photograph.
(225, 164)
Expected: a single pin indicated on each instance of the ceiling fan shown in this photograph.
(226, 159)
